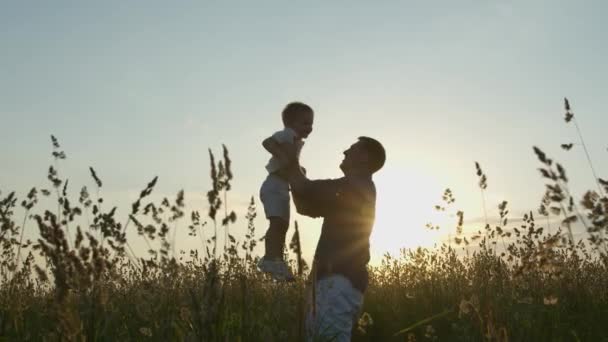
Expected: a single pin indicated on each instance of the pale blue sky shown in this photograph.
(138, 89)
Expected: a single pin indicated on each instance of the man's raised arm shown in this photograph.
(300, 186)
(297, 180)
(314, 198)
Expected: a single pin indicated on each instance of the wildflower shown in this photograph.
(550, 300)
(145, 331)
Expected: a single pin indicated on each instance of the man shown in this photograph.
(347, 206)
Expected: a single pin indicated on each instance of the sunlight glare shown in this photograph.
(405, 204)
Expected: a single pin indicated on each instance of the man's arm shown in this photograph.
(312, 198)
(297, 179)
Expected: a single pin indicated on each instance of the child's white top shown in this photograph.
(285, 136)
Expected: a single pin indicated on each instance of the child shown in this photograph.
(274, 193)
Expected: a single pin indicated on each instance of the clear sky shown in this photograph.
(138, 89)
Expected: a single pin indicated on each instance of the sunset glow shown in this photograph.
(405, 204)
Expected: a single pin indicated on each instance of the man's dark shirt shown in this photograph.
(348, 208)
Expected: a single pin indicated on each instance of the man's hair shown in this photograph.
(375, 151)
(293, 110)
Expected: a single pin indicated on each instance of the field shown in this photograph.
(80, 280)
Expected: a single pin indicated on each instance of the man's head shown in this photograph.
(366, 156)
(299, 117)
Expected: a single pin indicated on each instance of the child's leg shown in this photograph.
(273, 262)
(275, 237)
(274, 194)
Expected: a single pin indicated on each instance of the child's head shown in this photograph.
(299, 117)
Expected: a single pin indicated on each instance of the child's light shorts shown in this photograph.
(274, 195)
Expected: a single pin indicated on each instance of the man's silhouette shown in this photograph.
(347, 206)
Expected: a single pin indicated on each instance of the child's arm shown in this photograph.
(272, 146)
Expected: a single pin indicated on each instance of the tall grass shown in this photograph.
(81, 280)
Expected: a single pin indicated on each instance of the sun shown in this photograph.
(404, 205)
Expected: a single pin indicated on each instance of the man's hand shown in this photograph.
(290, 152)
(299, 186)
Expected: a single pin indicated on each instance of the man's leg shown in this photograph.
(337, 307)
